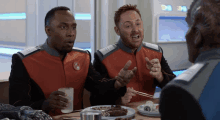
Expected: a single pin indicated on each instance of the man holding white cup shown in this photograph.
(70, 96)
(37, 73)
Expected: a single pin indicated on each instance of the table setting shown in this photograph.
(148, 109)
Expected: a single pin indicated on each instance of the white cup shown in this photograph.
(70, 96)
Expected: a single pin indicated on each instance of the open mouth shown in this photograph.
(70, 44)
(136, 36)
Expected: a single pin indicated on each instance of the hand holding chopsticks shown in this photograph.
(155, 68)
(128, 96)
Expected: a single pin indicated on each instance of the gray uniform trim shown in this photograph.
(53, 52)
(121, 45)
(29, 51)
(105, 52)
(50, 50)
(207, 55)
(80, 50)
(190, 73)
(197, 74)
(152, 46)
(47, 48)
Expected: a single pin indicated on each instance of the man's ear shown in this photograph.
(48, 30)
(193, 34)
(117, 30)
(198, 39)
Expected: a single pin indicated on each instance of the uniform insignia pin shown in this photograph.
(76, 66)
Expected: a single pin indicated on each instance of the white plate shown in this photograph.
(147, 113)
(130, 113)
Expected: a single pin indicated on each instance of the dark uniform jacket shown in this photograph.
(193, 95)
(38, 71)
(109, 60)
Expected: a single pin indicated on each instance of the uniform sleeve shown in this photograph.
(102, 89)
(177, 104)
(19, 85)
(167, 73)
(99, 67)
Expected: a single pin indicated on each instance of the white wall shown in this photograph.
(11, 6)
(13, 32)
(82, 6)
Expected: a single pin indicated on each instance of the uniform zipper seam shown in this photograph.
(136, 71)
(64, 73)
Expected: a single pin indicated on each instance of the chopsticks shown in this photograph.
(78, 110)
(142, 94)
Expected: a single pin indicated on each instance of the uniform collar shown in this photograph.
(50, 50)
(207, 55)
(125, 48)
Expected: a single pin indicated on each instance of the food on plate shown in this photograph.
(104, 110)
(105, 113)
(114, 110)
(117, 111)
(149, 103)
(101, 108)
(154, 108)
(147, 108)
(157, 107)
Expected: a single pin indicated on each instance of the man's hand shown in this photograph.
(125, 75)
(56, 100)
(155, 69)
(127, 97)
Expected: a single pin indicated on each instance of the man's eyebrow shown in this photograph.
(127, 22)
(64, 23)
(130, 21)
(67, 23)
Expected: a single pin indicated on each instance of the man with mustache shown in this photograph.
(37, 73)
(193, 95)
(152, 68)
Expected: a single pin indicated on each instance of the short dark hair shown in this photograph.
(123, 9)
(50, 14)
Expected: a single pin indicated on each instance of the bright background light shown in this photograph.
(13, 16)
(82, 16)
(9, 16)
(8, 51)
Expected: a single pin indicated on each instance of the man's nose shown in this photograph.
(135, 29)
(71, 32)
